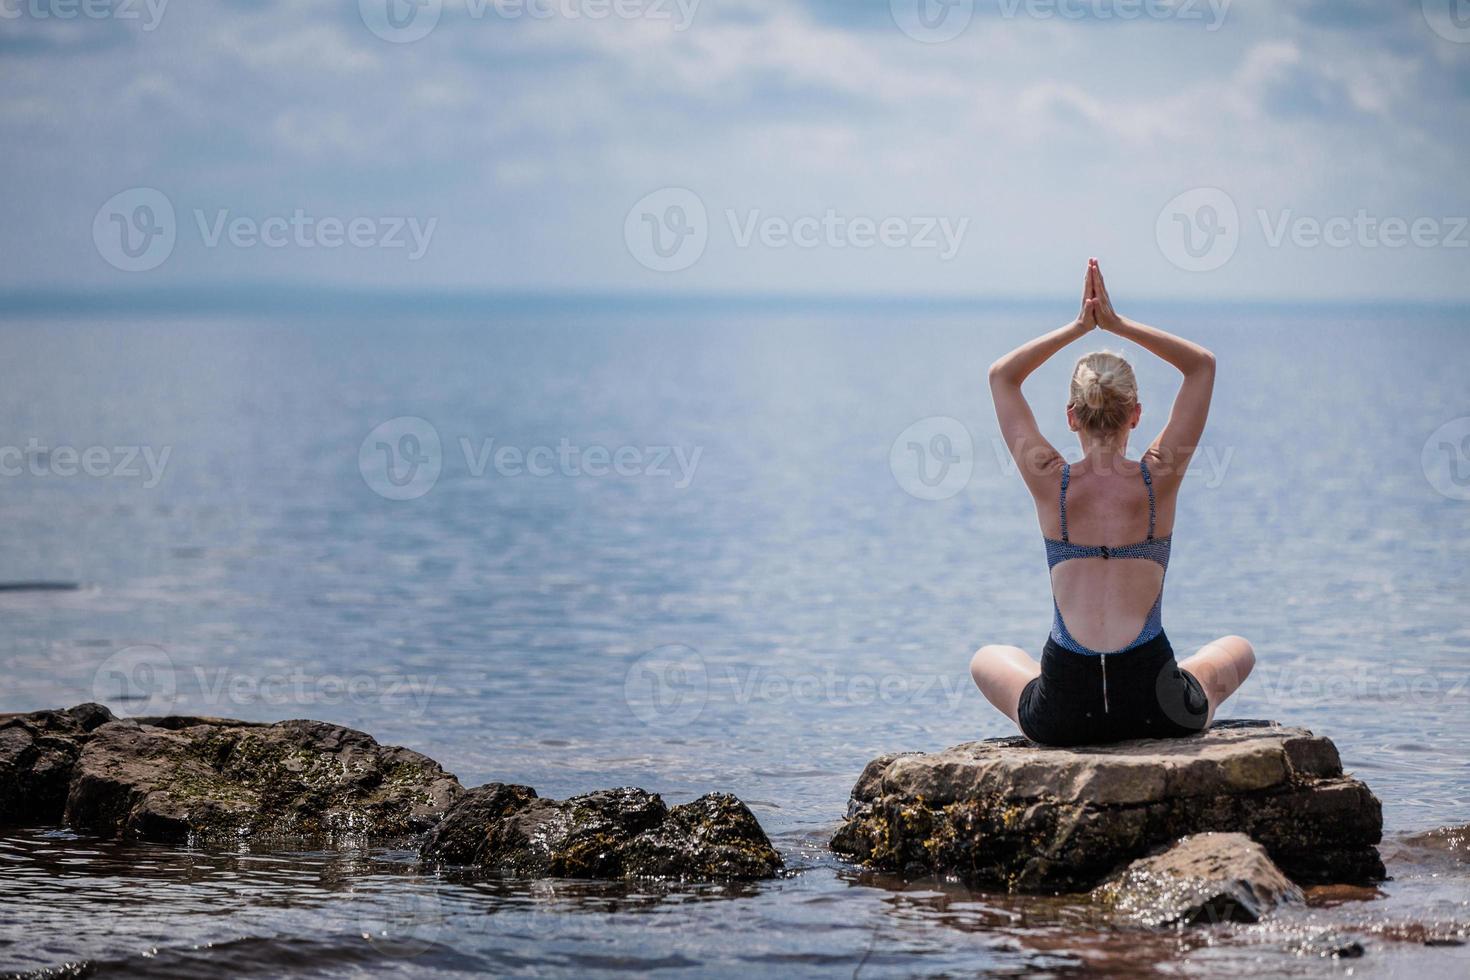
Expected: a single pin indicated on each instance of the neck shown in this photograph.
(1112, 445)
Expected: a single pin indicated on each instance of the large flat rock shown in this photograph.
(1010, 813)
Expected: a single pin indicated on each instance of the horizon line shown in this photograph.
(277, 297)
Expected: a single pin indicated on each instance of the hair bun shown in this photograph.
(1104, 392)
(1095, 389)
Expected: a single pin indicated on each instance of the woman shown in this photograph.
(1107, 671)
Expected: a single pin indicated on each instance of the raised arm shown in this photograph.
(1034, 456)
(1171, 451)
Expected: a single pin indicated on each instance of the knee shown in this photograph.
(983, 659)
(1242, 653)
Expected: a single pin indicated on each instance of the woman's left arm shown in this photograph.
(1171, 452)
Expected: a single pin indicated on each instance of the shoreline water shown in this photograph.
(352, 906)
(527, 606)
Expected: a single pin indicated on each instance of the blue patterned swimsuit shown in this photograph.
(1070, 703)
(1150, 549)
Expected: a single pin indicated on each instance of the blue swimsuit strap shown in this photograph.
(1148, 481)
(1155, 549)
(1122, 551)
(1066, 478)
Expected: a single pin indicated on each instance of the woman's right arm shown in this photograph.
(1035, 457)
(1171, 451)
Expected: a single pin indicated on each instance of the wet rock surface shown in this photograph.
(618, 833)
(1011, 814)
(180, 778)
(169, 779)
(1202, 879)
(38, 757)
(217, 781)
(1451, 842)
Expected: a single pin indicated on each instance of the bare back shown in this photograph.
(1105, 586)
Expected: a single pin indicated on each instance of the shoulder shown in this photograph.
(1162, 469)
(1042, 470)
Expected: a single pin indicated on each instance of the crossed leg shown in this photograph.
(1002, 673)
(1221, 667)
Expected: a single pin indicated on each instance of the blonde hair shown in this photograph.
(1104, 392)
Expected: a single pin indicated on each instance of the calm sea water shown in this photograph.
(753, 596)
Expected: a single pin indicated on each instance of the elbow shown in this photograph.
(1206, 363)
(997, 373)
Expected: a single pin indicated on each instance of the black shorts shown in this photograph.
(1148, 696)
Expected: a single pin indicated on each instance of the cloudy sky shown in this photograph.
(1206, 148)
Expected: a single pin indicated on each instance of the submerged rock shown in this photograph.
(1012, 814)
(38, 757)
(1204, 878)
(1330, 946)
(617, 833)
(1453, 842)
(177, 778)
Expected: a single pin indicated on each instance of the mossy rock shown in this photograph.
(617, 833)
(173, 780)
(38, 758)
(1011, 814)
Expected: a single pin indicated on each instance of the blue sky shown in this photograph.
(1202, 148)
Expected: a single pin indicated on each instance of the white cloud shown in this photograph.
(529, 139)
